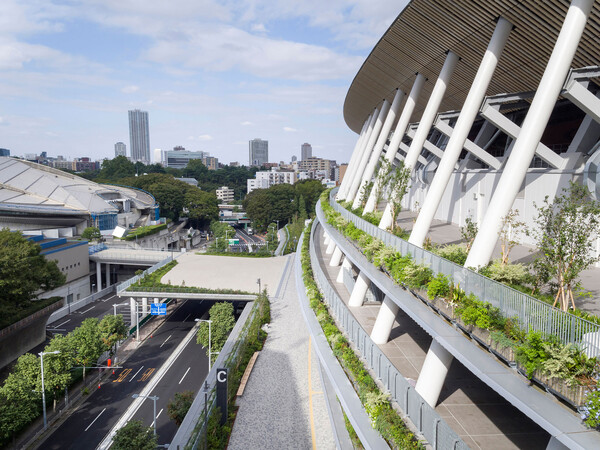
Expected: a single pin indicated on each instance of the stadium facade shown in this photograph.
(491, 106)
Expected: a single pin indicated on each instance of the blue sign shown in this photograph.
(158, 309)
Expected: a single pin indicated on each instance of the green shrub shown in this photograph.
(417, 276)
(532, 353)
(439, 286)
(373, 217)
(506, 273)
(456, 253)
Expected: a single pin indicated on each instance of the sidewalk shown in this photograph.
(284, 404)
(446, 233)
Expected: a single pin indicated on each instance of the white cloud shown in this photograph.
(259, 28)
(205, 137)
(130, 89)
(289, 129)
(246, 123)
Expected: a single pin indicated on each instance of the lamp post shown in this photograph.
(209, 341)
(258, 282)
(43, 389)
(152, 397)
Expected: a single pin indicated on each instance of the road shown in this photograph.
(86, 428)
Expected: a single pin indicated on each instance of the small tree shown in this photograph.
(567, 230)
(91, 234)
(134, 435)
(179, 406)
(394, 180)
(87, 342)
(468, 232)
(112, 330)
(223, 322)
(510, 233)
(365, 192)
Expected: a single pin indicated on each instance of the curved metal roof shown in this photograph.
(417, 41)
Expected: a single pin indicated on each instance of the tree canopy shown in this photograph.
(223, 321)
(23, 271)
(134, 435)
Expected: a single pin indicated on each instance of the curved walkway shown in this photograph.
(284, 404)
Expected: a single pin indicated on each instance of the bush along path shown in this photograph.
(377, 403)
(563, 369)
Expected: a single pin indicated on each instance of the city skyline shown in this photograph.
(232, 71)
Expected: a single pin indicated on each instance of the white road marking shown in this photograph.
(61, 324)
(166, 340)
(95, 419)
(186, 317)
(157, 416)
(89, 309)
(132, 378)
(186, 372)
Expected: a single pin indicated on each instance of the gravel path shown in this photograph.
(283, 405)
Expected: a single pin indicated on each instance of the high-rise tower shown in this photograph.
(306, 152)
(120, 149)
(258, 152)
(139, 136)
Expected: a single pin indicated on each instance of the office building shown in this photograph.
(258, 152)
(4, 152)
(120, 149)
(225, 194)
(139, 136)
(179, 157)
(265, 179)
(306, 151)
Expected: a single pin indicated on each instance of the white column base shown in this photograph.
(360, 289)
(346, 266)
(330, 247)
(386, 219)
(385, 321)
(433, 374)
(326, 239)
(336, 258)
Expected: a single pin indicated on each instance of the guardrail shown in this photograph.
(124, 285)
(531, 312)
(435, 430)
(68, 309)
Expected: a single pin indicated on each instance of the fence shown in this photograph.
(124, 285)
(531, 312)
(437, 432)
(68, 309)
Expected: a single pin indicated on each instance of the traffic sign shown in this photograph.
(158, 309)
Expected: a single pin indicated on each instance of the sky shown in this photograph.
(211, 74)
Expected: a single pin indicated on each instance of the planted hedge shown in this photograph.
(564, 369)
(377, 404)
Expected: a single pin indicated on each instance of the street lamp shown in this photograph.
(56, 352)
(210, 353)
(152, 397)
(258, 282)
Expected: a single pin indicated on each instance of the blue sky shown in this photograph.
(211, 74)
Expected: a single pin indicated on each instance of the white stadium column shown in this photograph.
(385, 321)
(326, 238)
(357, 297)
(145, 309)
(378, 148)
(132, 311)
(98, 276)
(433, 105)
(107, 274)
(532, 129)
(433, 373)
(354, 153)
(330, 247)
(465, 120)
(336, 257)
(360, 167)
(403, 121)
(346, 266)
(351, 171)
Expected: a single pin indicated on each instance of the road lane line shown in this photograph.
(107, 441)
(95, 419)
(166, 340)
(186, 317)
(87, 310)
(61, 324)
(136, 374)
(157, 416)
(186, 372)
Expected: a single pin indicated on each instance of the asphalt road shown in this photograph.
(87, 426)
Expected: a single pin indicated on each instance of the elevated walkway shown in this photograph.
(129, 256)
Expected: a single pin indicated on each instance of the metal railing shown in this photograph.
(435, 430)
(529, 311)
(124, 285)
(96, 248)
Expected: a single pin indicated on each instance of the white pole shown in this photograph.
(403, 121)
(531, 132)
(353, 192)
(461, 131)
(378, 148)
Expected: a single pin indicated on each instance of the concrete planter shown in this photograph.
(444, 308)
(573, 394)
(463, 326)
(507, 354)
(482, 336)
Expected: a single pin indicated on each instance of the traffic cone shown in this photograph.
(98, 385)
